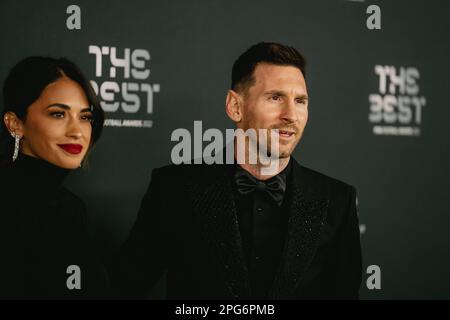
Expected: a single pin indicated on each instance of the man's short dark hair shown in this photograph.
(263, 52)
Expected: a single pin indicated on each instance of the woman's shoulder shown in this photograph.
(72, 203)
(8, 185)
(72, 197)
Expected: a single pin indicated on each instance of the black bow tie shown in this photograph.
(275, 186)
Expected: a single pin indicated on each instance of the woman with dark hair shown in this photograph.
(51, 120)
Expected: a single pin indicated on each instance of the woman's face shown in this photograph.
(58, 127)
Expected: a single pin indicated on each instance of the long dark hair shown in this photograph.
(25, 83)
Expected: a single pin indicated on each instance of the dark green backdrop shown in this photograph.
(402, 181)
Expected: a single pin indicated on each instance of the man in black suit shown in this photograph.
(231, 232)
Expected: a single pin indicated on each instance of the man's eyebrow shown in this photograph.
(66, 107)
(282, 93)
(302, 96)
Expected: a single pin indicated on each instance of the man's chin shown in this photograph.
(284, 155)
(286, 151)
(281, 155)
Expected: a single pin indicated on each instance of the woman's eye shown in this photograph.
(87, 117)
(57, 114)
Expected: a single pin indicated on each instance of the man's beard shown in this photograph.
(286, 150)
(281, 151)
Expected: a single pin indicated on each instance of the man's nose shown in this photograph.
(289, 112)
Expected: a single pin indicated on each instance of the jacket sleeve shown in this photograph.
(142, 259)
(348, 257)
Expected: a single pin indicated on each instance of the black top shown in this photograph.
(263, 226)
(43, 233)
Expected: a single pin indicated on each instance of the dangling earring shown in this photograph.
(16, 146)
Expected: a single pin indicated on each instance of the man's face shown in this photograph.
(278, 99)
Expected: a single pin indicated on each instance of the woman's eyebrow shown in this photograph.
(61, 105)
(87, 109)
(65, 106)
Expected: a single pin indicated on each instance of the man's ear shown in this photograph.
(13, 124)
(233, 106)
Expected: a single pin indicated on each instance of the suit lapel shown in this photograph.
(307, 214)
(215, 209)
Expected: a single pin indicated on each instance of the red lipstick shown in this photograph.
(71, 148)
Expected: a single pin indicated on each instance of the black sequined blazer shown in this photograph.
(187, 226)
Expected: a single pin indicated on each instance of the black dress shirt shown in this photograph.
(263, 226)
